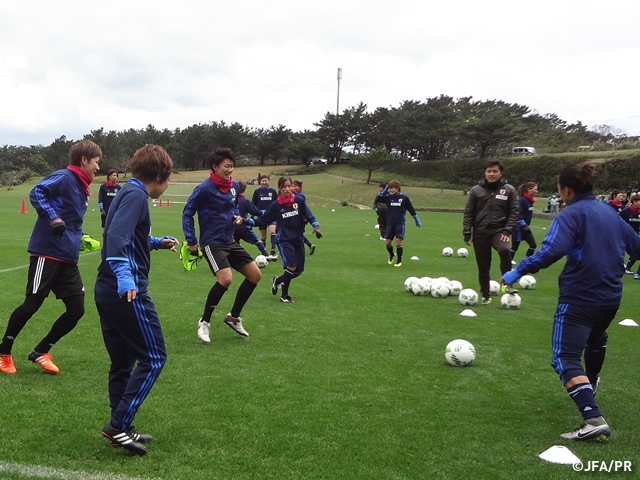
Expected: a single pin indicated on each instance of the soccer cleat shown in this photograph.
(636, 276)
(6, 364)
(274, 285)
(235, 324)
(382, 238)
(595, 386)
(513, 262)
(122, 438)
(312, 249)
(392, 259)
(45, 361)
(286, 299)
(272, 252)
(399, 264)
(486, 301)
(203, 331)
(593, 429)
(628, 272)
(272, 258)
(508, 289)
(136, 436)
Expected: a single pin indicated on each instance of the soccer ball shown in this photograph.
(494, 287)
(462, 252)
(459, 353)
(440, 289)
(527, 282)
(511, 301)
(261, 261)
(455, 287)
(468, 296)
(447, 252)
(408, 283)
(421, 287)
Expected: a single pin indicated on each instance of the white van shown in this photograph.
(523, 151)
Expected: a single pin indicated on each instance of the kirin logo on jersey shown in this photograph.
(292, 213)
(396, 203)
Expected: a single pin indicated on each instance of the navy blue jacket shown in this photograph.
(631, 219)
(215, 214)
(594, 239)
(290, 220)
(397, 207)
(264, 197)
(59, 195)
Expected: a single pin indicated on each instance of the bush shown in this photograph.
(16, 177)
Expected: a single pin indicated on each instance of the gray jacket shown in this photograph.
(490, 209)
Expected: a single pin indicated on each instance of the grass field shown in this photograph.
(350, 382)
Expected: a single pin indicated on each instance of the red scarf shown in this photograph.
(242, 195)
(286, 202)
(634, 210)
(221, 183)
(529, 196)
(110, 184)
(615, 203)
(84, 177)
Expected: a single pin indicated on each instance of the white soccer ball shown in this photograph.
(440, 289)
(408, 283)
(261, 261)
(468, 296)
(527, 282)
(462, 252)
(494, 287)
(421, 287)
(455, 287)
(511, 301)
(447, 251)
(459, 353)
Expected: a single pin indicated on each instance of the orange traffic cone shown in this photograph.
(168, 203)
(160, 203)
(23, 207)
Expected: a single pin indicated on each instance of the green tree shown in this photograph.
(372, 161)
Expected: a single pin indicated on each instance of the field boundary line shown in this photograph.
(38, 471)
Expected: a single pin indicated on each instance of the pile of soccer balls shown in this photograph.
(461, 252)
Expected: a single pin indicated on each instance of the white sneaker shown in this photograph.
(235, 324)
(203, 331)
(513, 262)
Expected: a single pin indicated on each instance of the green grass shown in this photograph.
(350, 382)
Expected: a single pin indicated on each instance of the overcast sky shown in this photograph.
(71, 66)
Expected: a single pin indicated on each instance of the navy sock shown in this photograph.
(262, 249)
(400, 249)
(390, 250)
(582, 395)
(285, 280)
(215, 294)
(273, 241)
(244, 292)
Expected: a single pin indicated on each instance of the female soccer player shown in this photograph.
(216, 202)
(590, 289)
(526, 192)
(263, 197)
(128, 319)
(291, 212)
(397, 206)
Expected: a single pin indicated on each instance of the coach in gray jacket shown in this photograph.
(490, 216)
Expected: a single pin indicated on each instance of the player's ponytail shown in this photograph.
(578, 178)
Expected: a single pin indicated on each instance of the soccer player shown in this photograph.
(215, 201)
(590, 289)
(291, 212)
(526, 192)
(244, 232)
(263, 197)
(61, 201)
(490, 216)
(297, 190)
(108, 190)
(128, 319)
(380, 208)
(397, 206)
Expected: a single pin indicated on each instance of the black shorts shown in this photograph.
(47, 275)
(226, 256)
(292, 256)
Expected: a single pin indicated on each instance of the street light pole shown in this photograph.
(338, 101)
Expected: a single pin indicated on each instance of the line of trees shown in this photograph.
(438, 128)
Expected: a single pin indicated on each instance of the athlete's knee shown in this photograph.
(75, 307)
(31, 304)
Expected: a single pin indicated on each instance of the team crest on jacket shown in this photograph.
(233, 192)
(502, 194)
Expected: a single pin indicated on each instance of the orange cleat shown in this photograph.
(45, 361)
(6, 364)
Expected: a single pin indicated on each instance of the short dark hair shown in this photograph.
(151, 163)
(85, 148)
(216, 158)
(111, 171)
(494, 163)
(297, 183)
(578, 178)
(243, 186)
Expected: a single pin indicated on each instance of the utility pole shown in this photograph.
(338, 101)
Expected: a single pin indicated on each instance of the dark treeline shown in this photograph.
(439, 128)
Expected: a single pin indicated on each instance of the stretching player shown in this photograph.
(130, 325)
(290, 212)
(397, 206)
(61, 201)
(216, 202)
(263, 197)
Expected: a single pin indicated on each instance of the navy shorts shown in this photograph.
(394, 231)
(47, 275)
(226, 256)
(246, 234)
(575, 327)
(292, 256)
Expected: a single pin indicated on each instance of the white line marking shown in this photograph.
(37, 471)
(27, 265)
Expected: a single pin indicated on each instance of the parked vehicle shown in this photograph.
(523, 151)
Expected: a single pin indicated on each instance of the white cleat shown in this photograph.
(203, 331)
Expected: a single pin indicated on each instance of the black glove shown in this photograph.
(467, 237)
(318, 233)
(58, 226)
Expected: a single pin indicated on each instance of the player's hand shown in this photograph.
(238, 220)
(505, 238)
(169, 243)
(193, 248)
(58, 226)
(102, 213)
(131, 295)
(317, 232)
